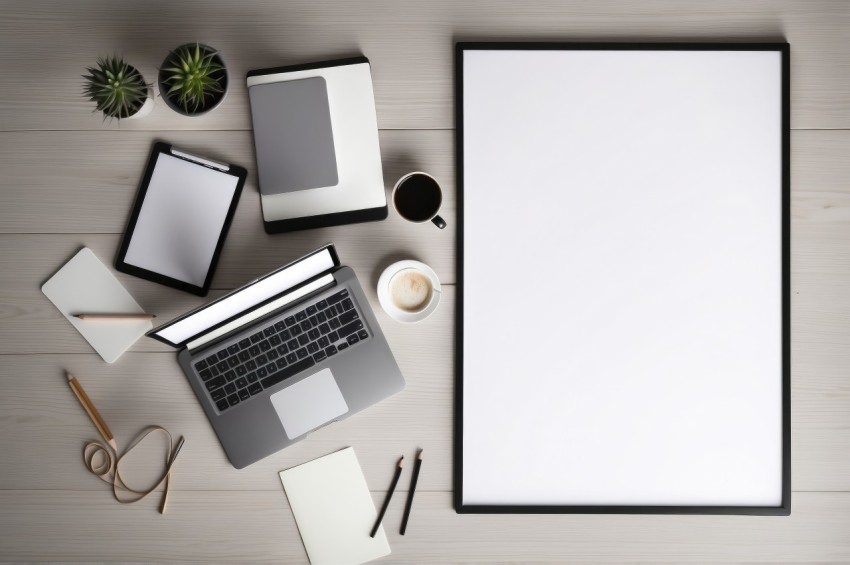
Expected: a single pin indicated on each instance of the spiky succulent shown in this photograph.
(118, 89)
(192, 76)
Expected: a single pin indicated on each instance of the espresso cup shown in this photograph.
(409, 291)
(417, 197)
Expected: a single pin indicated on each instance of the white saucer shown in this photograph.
(394, 311)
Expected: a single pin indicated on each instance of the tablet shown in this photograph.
(180, 218)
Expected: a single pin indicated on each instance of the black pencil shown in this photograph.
(387, 500)
(413, 480)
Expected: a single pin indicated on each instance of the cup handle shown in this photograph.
(439, 222)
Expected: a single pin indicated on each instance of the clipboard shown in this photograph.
(181, 216)
(353, 191)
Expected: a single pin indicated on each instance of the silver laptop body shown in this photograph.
(284, 355)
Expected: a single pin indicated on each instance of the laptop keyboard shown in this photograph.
(236, 372)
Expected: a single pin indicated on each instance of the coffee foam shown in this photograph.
(410, 290)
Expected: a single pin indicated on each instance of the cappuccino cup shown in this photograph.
(409, 291)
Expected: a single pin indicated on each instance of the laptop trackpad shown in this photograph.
(309, 403)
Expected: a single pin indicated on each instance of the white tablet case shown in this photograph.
(622, 281)
(355, 129)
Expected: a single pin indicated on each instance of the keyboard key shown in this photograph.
(282, 349)
(292, 344)
(347, 304)
(334, 323)
(200, 365)
(331, 312)
(352, 339)
(285, 335)
(281, 363)
(215, 383)
(232, 361)
(291, 358)
(222, 405)
(261, 360)
(271, 368)
(290, 321)
(222, 366)
(230, 388)
(323, 343)
(302, 353)
(312, 310)
(265, 345)
(314, 333)
(251, 365)
(206, 374)
(321, 317)
(261, 372)
(223, 354)
(211, 360)
(233, 349)
(251, 377)
(306, 325)
(362, 334)
(293, 369)
(303, 339)
(233, 399)
(274, 340)
(241, 370)
(338, 296)
(241, 382)
(330, 350)
(254, 351)
(280, 326)
(342, 346)
(313, 347)
(272, 355)
(257, 337)
(218, 394)
(230, 375)
(269, 331)
(320, 356)
(295, 330)
(214, 370)
(322, 304)
(244, 356)
(333, 337)
(255, 388)
(244, 394)
(245, 343)
(301, 316)
(313, 320)
(354, 326)
(348, 317)
(325, 329)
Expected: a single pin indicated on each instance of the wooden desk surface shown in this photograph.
(67, 180)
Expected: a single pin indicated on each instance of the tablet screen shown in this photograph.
(181, 219)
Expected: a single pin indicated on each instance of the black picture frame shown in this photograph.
(784, 509)
(162, 148)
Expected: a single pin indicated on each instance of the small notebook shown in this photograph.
(86, 286)
(334, 510)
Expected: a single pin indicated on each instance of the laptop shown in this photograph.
(284, 355)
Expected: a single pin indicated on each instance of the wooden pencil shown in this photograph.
(90, 409)
(412, 490)
(389, 496)
(115, 316)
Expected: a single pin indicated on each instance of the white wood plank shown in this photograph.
(258, 526)
(409, 45)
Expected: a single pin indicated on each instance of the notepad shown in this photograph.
(334, 510)
(84, 285)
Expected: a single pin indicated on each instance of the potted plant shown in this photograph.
(193, 79)
(118, 89)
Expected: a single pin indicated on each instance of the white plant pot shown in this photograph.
(146, 108)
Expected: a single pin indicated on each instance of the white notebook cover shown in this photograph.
(84, 285)
(334, 510)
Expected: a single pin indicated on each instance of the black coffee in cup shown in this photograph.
(417, 198)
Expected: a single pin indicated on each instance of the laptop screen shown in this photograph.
(181, 330)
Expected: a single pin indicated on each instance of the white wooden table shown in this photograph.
(67, 180)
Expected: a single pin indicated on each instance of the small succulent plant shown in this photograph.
(193, 77)
(117, 89)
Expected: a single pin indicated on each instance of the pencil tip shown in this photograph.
(401, 461)
(69, 375)
(420, 454)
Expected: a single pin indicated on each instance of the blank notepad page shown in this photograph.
(181, 220)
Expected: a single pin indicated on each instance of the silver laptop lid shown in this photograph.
(230, 308)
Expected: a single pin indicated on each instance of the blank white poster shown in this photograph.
(622, 278)
(181, 220)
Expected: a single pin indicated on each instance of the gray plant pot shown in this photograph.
(222, 77)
